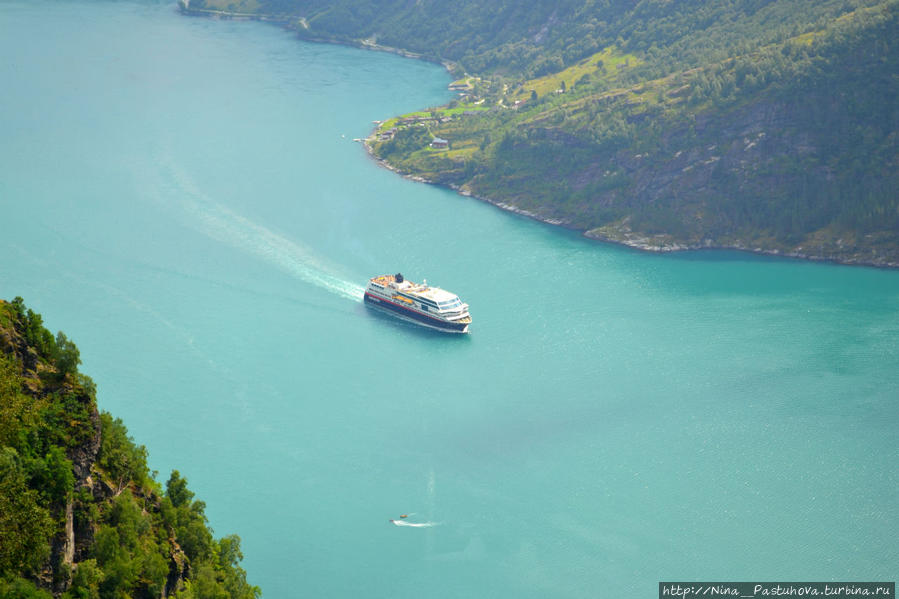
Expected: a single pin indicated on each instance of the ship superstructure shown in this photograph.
(429, 306)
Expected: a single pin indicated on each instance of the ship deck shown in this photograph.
(435, 294)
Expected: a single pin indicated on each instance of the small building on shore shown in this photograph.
(439, 143)
(387, 135)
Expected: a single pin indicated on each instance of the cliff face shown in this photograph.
(42, 385)
(80, 514)
(756, 178)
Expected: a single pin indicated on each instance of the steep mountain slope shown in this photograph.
(792, 148)
(80, 514)
(759, 124)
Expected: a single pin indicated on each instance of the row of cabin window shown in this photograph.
(427, 303)
(424, 303)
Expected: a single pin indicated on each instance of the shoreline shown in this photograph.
(293, 23)
(212, 13)
(628, 239)
(640, 243)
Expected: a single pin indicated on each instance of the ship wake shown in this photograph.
(414, 524)
(223, 224)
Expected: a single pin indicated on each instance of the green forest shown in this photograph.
(81, 515)
(758, 124)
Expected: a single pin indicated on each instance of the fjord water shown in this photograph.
(184, 199)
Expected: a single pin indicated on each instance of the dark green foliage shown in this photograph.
(25, 522)
(216, 563)
(817, 78)
(122, 460)
(67, 419)
(86, 581)
(176, 490)
(207, 584)
(188, 518)
(536, 38)
(67, 355)
(127, 551)
(19, 588)
(233, 577)
(774, 122)
(136, 538)
(52, 475)
(406, 141)
(37, 336)
(18, 412)
(59, 352)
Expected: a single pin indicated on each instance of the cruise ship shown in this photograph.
(429, 306)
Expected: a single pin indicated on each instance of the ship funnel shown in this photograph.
(398, 277)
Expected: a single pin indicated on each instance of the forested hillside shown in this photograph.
(759, 124)
(81, 516)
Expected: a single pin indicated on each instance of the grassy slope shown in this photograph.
(752, 123)
(800, 157)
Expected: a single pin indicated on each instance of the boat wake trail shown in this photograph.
(414, 524)
(226, 226)
(223, 224)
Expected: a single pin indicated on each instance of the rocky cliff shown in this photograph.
(80, 514)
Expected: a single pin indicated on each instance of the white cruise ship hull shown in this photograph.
(403, 302)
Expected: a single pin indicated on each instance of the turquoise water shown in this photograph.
(184, 199)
